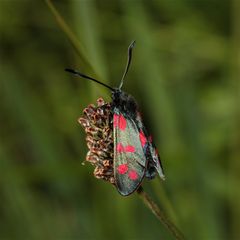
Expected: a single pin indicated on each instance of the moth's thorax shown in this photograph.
(124, 102)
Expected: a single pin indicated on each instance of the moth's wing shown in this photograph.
(155, 160)
(150, 151)
(129, 158)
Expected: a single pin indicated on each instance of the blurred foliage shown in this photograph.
(185, 76)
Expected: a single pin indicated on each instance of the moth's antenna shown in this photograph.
(90, 78)
(131, 46)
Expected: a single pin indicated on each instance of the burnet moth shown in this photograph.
(135, 155)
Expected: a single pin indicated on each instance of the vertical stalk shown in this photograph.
(234, 169)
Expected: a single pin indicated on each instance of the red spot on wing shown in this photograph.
(150, 139)
(143, 139)
(120, 148)
(122, 169)
(115, 120)
(119, 121)
(130, 148)
(122, 122)
(133, 175)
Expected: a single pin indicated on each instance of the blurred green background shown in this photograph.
(185, 76)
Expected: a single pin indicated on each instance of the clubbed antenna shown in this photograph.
(131, 46)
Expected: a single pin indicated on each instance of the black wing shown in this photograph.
(150, 151)
(130, 162)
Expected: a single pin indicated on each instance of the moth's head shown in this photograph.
(117, 94)
(123, 101)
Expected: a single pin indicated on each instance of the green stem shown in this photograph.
(71, 36)
(177, 234)
(234, 164)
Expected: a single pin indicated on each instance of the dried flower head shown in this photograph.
(97, 122)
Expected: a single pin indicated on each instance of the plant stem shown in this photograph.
(160, 215)
(71, 36)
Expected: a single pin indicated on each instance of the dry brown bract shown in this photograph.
(97, 122)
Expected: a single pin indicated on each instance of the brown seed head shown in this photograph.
(97, 122)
